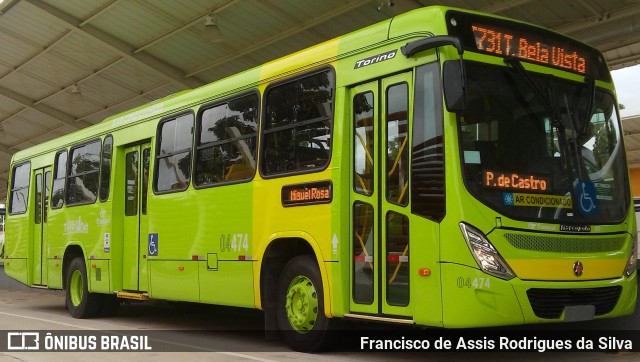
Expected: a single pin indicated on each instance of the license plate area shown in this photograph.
(576, 313)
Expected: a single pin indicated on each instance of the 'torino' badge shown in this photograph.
(375, 59)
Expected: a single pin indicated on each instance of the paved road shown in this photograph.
(223, 334)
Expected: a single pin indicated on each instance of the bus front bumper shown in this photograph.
(472, 298)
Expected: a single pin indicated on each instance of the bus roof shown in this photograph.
(402, 27)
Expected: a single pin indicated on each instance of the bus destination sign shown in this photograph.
(515, 181)
(307, 194)
(529, 47)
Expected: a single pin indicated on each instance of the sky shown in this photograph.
(627, 82)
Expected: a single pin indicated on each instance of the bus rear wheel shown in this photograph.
(300, 311)
(80, 303)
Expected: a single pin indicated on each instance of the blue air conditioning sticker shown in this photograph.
(375, 59)
(586, 197)
(153, 245)
(508, 198)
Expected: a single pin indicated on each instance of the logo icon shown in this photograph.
(153, 245)
(21, 341)
(587, 197)
(578, 268)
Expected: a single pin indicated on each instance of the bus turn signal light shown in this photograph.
(424, 272)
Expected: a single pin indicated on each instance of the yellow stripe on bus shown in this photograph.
(562, 269)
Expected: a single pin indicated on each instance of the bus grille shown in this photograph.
(549, 303)
(565, 245)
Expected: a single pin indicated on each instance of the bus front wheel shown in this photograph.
(300, 310)
(80, 303)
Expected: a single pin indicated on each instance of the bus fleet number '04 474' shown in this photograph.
(234, 242)
(478, 283)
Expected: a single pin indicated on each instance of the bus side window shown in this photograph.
(105, 168)
(83, 174)
(20, 188)
(60, 172)
(397, 158)
(427, 153)
(298, 123)
(173, 160)
(363, 152)
(227, 138)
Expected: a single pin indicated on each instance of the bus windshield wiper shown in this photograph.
(551, 108)
(589, 110)
(515, 64)
(580, 129)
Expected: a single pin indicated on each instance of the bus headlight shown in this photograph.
(486, 255)
(633, 258)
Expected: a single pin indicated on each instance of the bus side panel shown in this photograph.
(17, 269)
(55, 248)
(115, 208)
(174, 220)
(426, 291)
(471, 298)
(54, 273)
(99, 275)
(205, 249)
(174, 280)
(230, 283)
(308, 222)
(226, 239)
(16, 247)
(98, 245)
(78, 225)
(338, 269)
(103, 249)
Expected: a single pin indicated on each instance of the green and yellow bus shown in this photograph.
(441, 168)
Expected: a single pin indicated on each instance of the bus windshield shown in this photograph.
(539, 147)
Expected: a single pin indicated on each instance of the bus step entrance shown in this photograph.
(132, 295)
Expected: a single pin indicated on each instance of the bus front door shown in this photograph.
(134, 264)
(43, 186)
(380, 244)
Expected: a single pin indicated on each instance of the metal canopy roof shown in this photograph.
(122, 53)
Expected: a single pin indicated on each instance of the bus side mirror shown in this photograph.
(454, 89)
(454, 82)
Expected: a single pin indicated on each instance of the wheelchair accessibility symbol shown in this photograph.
(587, 200)
(153, 245)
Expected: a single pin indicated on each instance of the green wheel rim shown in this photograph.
(302, 304)
(76, 287)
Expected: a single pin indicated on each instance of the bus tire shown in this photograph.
(300, 305)
(80, 303)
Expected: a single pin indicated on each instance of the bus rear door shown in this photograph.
(134, 263)
(43, 185)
